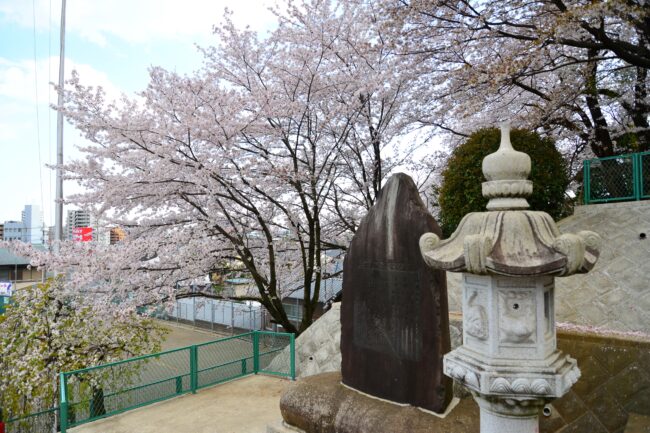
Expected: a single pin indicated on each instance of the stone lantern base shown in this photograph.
(547, 379)
(509, 415)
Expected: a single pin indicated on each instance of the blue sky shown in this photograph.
(110, 43)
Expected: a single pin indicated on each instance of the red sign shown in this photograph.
(82, 234)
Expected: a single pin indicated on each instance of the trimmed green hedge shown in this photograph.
(460, 192)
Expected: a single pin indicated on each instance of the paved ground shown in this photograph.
(242, 406)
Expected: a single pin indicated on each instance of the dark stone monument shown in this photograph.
(394, 314)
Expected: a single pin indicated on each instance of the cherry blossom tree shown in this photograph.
(266, 157)
(574, 70)
(46, 331)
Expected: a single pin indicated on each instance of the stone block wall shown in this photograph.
(318, 348)
(611, 396)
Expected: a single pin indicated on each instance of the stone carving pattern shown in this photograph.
(572, 377)
(507, 188)
(591, 239)
(462, 375)
(376, 317)
(517, 317)
(428, 242)
(520, 385)
(476, 323)
(476, 249)
(574, 247)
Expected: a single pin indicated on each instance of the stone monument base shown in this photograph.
(321, 404)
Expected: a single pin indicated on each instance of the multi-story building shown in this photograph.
(77, 219)
(116, 235)
(14, 231)
(2, 231)
(84, 227)
(32, 217)
(29, 229)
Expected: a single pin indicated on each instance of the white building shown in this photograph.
(32, 217)
(13, 231)
(76, 219)
(29, 229)
(81, 219)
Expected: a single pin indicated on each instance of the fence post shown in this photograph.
(256, 352)
(292, 350)
(636, 175)
(586, 182)
(63, 405)
(232, 318)
(212, 314)
(194, 367)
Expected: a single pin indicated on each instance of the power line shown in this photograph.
(38, 121)
(51, 155)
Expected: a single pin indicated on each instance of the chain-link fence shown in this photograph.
(617, 178)
(215, 314)
(40, 422)
(98, 392)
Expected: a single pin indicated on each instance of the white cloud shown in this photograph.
(23, 141)
(138, 21)
(21, 79)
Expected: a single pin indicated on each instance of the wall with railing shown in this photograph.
(617, 178)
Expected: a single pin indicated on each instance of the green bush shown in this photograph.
(460, 192)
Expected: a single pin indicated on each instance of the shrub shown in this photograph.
(460, 192)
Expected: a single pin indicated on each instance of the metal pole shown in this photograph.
(292, 354)
(212, 314)
(63, 405)
(58, 214)
(232, 318)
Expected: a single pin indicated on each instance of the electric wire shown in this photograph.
(50, 152)
(38, 122)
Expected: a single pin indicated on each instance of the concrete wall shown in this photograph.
(616, 294)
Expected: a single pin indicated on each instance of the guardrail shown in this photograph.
(617, 178)
(106, 390)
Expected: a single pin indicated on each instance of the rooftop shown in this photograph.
(9, 259)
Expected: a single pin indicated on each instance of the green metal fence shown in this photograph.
(38, 422)
(97, 392)
(617, 178)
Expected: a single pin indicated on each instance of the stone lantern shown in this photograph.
(509, 257)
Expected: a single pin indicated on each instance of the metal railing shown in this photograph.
(98, 392)
(42, 421)
(617, 178)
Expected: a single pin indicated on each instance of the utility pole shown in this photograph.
(58, 214)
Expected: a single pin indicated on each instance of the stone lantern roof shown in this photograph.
(508, 239)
